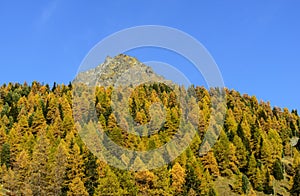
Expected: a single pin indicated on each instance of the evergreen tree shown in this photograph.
(2, 134)
(5, 155)
(296, 185)
(91, 173)
(268, 187)
(278, 170)
(192, 181)
(245, 184)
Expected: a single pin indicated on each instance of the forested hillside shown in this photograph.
(43, 154)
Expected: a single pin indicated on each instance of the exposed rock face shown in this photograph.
(120, 70)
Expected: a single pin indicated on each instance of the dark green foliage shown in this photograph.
(296, 185)
(245, 184)
(278, 170)
(212, 192)
(5, 110)
(91, 173)
(268, 188)
(53, 87)
(191, 179)
(5, 155)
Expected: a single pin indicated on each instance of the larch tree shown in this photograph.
(58, 170)
(144, 181)
(10, 181)
(244, 132)
(21, 168)
(15, 143)
(38, 121)
(52, 108)
(77, 188)
(207, 185)
(162, 181)
(230, 124)
(251, 167)
(108, 184)
(178, 178)
(276, 142)
(222, 152)
(266, 153)
(75, 163)
(39, 171)
(241, 153)
(238, 184)
(209, 163)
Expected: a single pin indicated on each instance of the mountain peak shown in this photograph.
(121, 69)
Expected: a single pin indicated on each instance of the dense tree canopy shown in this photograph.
(41, 152)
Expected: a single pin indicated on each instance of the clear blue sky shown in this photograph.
(256, 44)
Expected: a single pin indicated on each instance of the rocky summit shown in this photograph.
(119, 70)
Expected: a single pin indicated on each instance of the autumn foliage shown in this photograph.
(41, 152)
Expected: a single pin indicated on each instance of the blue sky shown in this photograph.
(256, 44)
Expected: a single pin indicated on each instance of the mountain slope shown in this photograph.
(41, 151)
